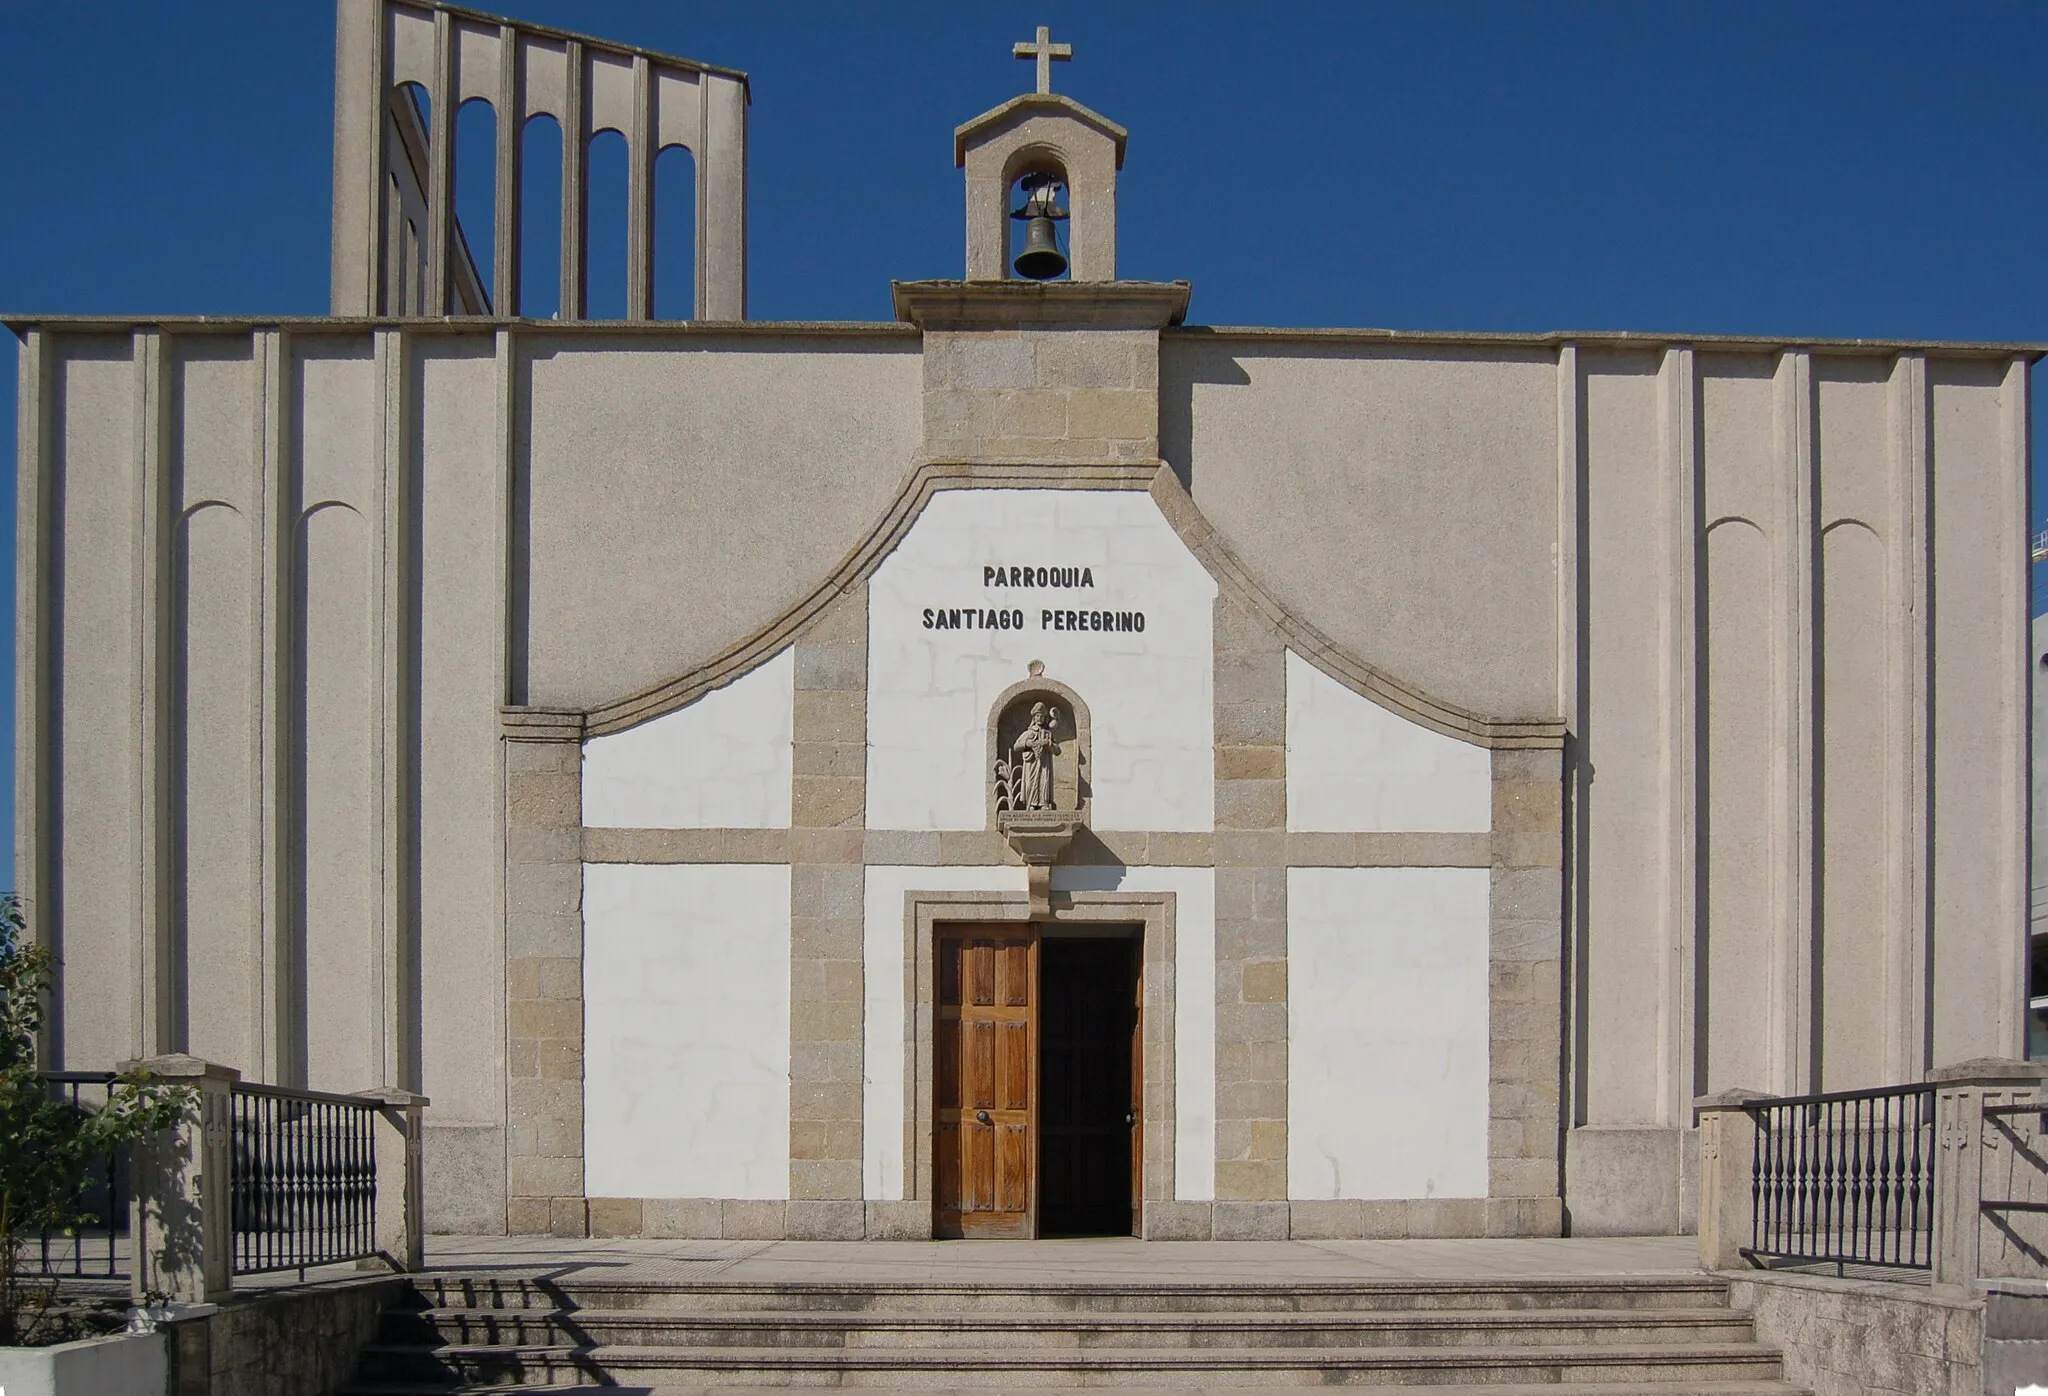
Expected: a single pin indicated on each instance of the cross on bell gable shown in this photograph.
(1042, 134)
(1046, 52)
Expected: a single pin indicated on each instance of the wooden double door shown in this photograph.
(1038, 1082)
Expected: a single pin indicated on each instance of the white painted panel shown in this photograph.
(721, 763)
(1353, 766)
(930, 690)
(1194, 1007)
(1387, 1032)
(686, 1030)
(883, 1106)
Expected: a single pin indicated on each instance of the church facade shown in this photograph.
(1034, 766)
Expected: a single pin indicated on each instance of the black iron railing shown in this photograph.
(1846, 1177)
(303, 1178)
(94, 1247)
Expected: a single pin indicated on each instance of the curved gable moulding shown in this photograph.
(1157, 480)
(388, 150)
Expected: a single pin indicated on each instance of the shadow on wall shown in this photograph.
(1189, 357)
(1191, 362)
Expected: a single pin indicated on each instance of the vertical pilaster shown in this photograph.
(441, 165)
(1797, 990)
(1525, 988)
(1906, 940)
(356, 261)
(575, 201)
(721, 289)
(505, 230)
(1678, 399)
(544, 985)
(1572, 601)
(640, 196)
(36, 731)
(1568, 475)
(2011, 540)
(158, 1016)
(827, 887)
(277, 515)
(394, 629)
(1251, 927)
(256, 1044)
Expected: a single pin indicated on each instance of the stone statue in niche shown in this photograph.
(1034, 748)
(1038, 762)
(1038, 755)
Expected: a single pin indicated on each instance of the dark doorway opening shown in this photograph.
(1090, 1085)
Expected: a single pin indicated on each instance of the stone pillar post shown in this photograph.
(179, 1224)
(827, 881)
(544, 973)
(1965, 1151)
(1251, 928)
(1727, 1169)
(401, 1224)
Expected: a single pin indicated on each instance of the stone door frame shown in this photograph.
(1153, 912)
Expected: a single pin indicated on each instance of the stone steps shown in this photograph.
(1406, 1295)
(874, 1330)
(1669, 1335)
(1660, 1388)
(998, 1367)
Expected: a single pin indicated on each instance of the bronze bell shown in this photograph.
(1041, 259)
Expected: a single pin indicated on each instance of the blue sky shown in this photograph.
(1800, 170)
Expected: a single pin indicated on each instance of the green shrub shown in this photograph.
(47, 1144)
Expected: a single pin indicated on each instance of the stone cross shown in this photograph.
(1047, 53)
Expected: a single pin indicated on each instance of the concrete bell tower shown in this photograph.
(1041, 132)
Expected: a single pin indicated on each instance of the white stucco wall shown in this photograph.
(686, 1030)
(1387, 1032)
(1194, 1008)
(884, 931)
(721, 763)
(930, 690)
(1354, 767)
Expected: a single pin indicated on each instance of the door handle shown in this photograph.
(982, 1115)
(1130, 1117)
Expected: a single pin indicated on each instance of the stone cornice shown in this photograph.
(1279, 337)
(1049, 103)
(1316, 337)
(523, 724)
(991, 305)
(460, 324)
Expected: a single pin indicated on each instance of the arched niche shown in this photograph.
(1034, 160)
(1067, 725)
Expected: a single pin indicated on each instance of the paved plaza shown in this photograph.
(1083, 1261)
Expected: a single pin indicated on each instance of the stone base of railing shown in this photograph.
(181, 1216)
(1987, 1217)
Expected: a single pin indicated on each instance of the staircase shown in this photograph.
(1671, 1336)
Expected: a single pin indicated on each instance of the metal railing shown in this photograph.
(95, 1248)
(1846, 1177)
(303, 1178)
